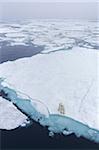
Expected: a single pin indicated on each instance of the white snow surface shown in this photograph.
(10, 116)
(67, 77)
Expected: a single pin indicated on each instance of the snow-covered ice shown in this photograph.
(10, 116)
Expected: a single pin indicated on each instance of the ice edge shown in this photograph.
(55, 123)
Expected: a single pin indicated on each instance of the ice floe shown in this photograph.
(10, 116)
(67, 77)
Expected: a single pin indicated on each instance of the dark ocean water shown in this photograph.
(35, 136)
(10, 53)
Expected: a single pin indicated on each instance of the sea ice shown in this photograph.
(61, 83)
(10, 116)
(53, 34)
